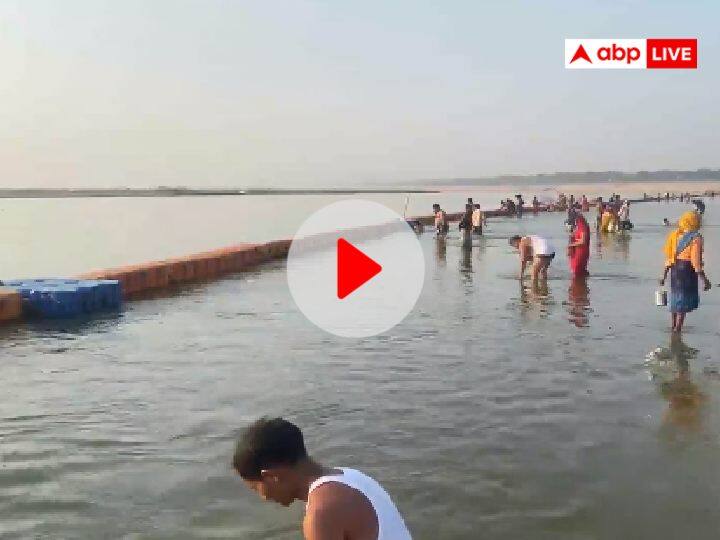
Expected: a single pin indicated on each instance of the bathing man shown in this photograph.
(536, 250)
(340, 503)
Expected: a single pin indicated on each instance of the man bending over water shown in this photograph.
(341, 504)
(536, 250)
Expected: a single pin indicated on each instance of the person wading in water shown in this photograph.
(478, 220)
(600, 208)
(341, 504)
(579, 246)
(465, 227)
(684, 260)
(441, 222)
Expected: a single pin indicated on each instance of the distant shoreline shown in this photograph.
(584, 177)
(520, 184)
(41, 193)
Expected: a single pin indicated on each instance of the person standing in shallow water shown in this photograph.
(441, 222)
(624, 223)
(341, 504)
(579, 246)
(684, 261)
(465, 227)
(478, 220)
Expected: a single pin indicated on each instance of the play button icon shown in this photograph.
(355, 268)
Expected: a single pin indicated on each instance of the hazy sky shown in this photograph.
(300, 93)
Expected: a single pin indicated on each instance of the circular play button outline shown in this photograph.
(355, 268)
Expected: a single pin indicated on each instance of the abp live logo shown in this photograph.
(650, 53)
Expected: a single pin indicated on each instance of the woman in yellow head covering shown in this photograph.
(684, 261)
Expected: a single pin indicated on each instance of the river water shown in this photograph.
(493, 411)
(64, 237)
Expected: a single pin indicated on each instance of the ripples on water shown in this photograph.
(493, 411)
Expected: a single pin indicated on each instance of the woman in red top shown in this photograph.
(579, 246)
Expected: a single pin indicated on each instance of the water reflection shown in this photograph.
(481, 245)
(535, 299)
(599, 244)
(622, 245)
(49, 329)
(466, 262)
(613, 245)
(441, 250)
(466, 239)
(670, 369)
(578, 303)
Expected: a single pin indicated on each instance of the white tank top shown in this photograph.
(390, 523)
(541, 246)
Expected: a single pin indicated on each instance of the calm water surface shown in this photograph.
(64, 237)
(494, 411)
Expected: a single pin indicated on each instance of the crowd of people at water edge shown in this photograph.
(613, 216)
(341, 503)
(683, 248)
(516, 208)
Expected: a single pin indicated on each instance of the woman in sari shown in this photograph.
(684, 261)
(579, 246)
(606, 219)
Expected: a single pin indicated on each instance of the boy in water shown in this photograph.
(536, 250)
(340, 503)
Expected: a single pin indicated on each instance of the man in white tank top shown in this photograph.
(536, 250)
(341, 504)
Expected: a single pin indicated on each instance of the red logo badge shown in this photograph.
(672, 53)
(580, 53)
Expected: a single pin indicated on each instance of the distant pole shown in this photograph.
(407, 201)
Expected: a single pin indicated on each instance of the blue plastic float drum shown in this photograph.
(61, 298)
